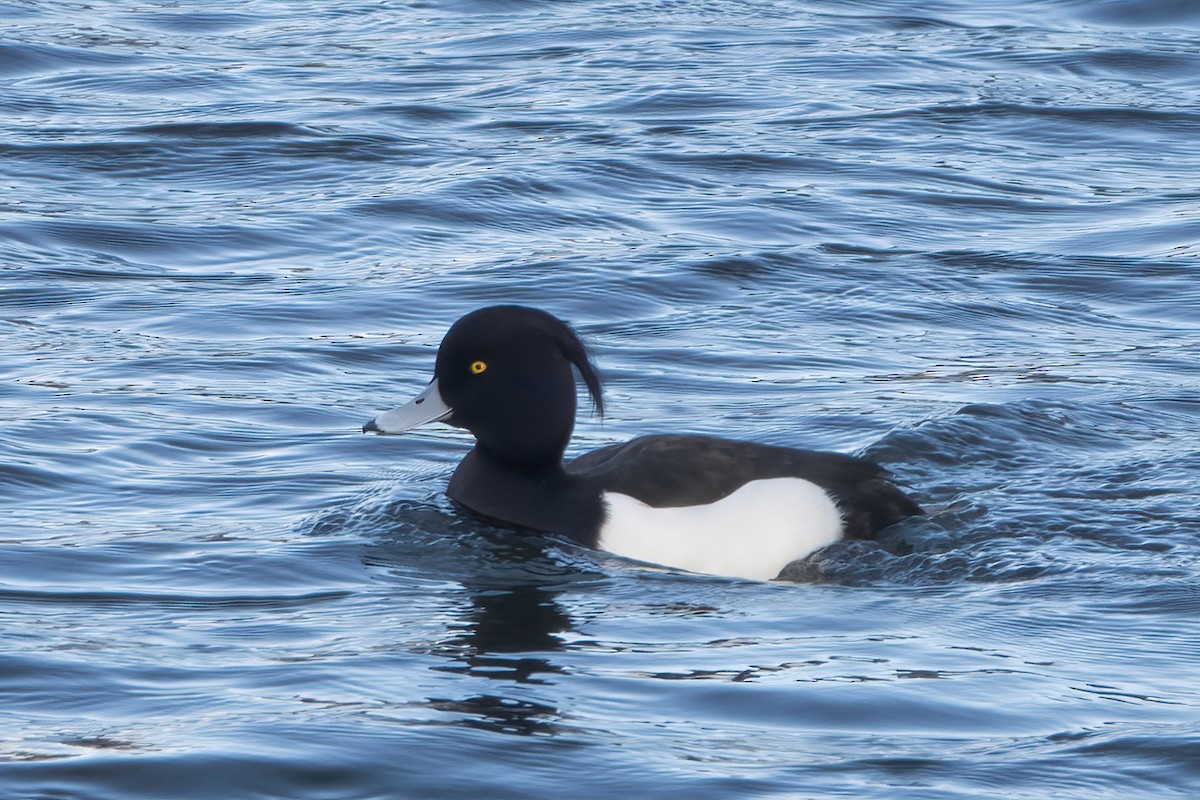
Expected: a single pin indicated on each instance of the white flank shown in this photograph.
(753, 533)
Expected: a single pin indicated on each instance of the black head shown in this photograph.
(505, 372)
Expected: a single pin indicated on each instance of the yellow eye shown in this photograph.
(478, 367)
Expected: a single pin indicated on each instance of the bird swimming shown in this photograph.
(701, 503)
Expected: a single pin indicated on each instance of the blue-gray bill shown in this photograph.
(426, 407)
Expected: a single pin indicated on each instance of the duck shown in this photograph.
(699, 503)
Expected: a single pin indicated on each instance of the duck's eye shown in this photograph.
(478, 367)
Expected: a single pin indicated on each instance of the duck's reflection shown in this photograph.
(506, 637)
(505, 623)
(489, 712)
(514, 624)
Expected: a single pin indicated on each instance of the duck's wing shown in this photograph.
(677, 470)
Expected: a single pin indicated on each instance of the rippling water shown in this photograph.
(959, 237)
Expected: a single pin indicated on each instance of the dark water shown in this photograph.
(960, 237)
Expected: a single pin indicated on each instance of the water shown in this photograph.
(959, 237)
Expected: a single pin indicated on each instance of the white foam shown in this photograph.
(752, 533)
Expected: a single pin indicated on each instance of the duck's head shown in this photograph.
(504, 373)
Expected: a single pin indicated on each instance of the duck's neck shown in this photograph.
(534, 447)
(539, 497)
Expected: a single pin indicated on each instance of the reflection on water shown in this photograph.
(502, 628)
(517, 620)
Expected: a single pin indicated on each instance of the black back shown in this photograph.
(679, 470)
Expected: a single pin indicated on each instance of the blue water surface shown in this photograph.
(960, 237)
